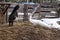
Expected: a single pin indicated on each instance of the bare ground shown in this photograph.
(27, 31)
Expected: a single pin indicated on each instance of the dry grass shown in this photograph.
(27, 31)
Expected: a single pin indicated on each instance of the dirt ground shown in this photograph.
(27, 31)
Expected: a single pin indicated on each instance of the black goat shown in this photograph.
(13, 15)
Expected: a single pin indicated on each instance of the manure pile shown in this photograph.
(27, 31)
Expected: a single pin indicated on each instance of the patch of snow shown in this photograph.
(50, 23)
(19, 13)
(53, 12)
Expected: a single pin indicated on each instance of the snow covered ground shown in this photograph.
(47, 22)
(53, 22)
